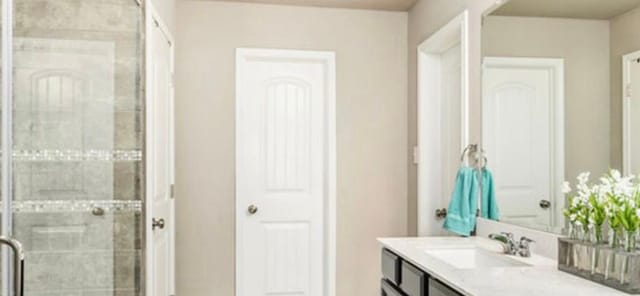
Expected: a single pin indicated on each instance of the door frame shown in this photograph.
(556, 67)
(328, 59)
(627, 61)
(153, 20)
(429, 58)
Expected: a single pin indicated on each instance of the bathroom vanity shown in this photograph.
(453, 266)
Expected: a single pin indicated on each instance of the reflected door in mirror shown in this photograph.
(518, 119)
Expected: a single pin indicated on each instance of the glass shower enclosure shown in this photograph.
(72, 146)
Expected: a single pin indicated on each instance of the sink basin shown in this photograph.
(473, 257)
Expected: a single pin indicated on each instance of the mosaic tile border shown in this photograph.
(77, 206)
(77, 155)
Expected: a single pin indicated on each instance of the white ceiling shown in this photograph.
(583, 9)
(398, 5)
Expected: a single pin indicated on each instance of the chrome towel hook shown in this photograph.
(474, 156)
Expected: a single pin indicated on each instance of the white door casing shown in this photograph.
(523, 124)
(631, 110)
(285, 168)
(443, 118)
(160, 206)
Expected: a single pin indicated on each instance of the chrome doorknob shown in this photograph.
(545, 204)
(252, 209)
(441, 213)
(157, 223)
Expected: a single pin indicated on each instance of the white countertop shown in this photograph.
(541, 278)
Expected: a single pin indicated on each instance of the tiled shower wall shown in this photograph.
(78, 139)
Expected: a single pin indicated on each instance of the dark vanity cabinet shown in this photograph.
(401, 278)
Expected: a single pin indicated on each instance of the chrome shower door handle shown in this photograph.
(18, 263)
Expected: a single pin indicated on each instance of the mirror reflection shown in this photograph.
(561, 96)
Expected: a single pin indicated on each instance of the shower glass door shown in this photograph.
(72, 145)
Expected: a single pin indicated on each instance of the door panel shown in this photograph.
(281, 163)
(517, 136)
(160, 150)
(633, 107)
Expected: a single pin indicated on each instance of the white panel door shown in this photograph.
(632, 113)
(160, 221)
(517, 136)
(281, 178)
(442, 119)
(451, 122)
(634, 91)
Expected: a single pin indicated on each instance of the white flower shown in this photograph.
(566, 187)
(602, 193)
(575, 202)
(638, 212)
(615, 174)
(583, 178)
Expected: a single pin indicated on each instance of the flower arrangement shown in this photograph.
(615, 200)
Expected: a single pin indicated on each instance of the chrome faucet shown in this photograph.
(507, 241)
(511, 246)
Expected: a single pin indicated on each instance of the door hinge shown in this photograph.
(172, 191)
(416, 155)
(627, 91)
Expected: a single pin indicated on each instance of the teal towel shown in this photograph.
(461, 215)
(489, 203)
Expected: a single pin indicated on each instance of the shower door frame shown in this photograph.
(7, 141)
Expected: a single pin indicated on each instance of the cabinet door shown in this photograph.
(388, 289)
(437, 288)
(391, 266)
(414, 280)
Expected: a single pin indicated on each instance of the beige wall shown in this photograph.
(584, 46)
(371, 131)
(624, 40)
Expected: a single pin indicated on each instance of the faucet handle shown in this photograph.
(508, 235)
(524, 248)
(526, 240)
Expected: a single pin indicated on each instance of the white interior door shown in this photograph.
(518, 135)
(443, 128)
(160, 176)
(283, 139)
(631, 73)
(451, 121)
(634, 97)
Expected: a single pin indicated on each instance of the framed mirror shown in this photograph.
(561, 96)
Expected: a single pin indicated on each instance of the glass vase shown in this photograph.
(596, 234)
(614, 238)
(573, 231)
(629, 241)
(585, 234)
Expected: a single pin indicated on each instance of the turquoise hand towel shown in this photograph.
(461, 215)
(489, 203)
